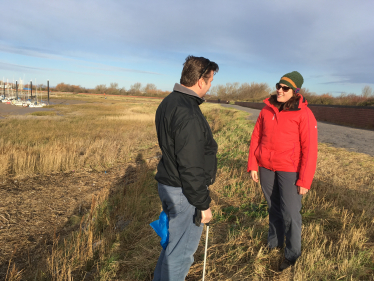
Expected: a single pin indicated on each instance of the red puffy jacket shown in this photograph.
(285, 141)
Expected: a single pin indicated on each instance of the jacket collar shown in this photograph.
(297, 106)
(184, 90)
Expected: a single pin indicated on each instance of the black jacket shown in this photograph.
(188, 148)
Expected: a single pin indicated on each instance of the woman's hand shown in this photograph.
(302, 190)
(254, 176)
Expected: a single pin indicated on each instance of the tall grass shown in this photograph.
(88, 136)
(115, 242)
(103, 247)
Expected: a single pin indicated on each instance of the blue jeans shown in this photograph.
(184, 236)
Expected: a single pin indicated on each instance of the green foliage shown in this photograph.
(250, 210)
(255, 210)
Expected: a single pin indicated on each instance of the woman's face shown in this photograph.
(283, 96)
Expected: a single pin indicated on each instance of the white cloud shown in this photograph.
(323, 37)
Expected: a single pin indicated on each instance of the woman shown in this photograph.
(284, 146)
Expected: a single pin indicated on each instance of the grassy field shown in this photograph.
(112, 239)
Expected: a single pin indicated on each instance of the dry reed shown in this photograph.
(115, 241)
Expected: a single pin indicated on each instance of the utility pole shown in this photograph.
(31, 88)
(16, 90)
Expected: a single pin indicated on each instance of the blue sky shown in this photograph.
(87, 43)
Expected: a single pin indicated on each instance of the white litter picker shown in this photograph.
(198, 223)
(206, 248)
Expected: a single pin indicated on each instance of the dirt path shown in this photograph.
(358, 140)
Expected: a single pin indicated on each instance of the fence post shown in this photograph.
(48, 90)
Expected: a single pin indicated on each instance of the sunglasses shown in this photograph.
(284, 88)
(205, 69)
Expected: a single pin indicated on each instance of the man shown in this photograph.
(187, 167)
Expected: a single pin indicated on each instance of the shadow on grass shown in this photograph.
(131, 249)
(108, 223)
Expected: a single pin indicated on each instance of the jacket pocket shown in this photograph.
(262, 155)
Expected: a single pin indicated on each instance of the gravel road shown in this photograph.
(358, 140)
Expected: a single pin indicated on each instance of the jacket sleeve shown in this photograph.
(255, 140)
(309, 149)
(189, 151)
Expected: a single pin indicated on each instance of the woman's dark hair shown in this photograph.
(195, 68)
(293, 102)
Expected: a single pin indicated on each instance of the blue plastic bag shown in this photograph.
(161, 226)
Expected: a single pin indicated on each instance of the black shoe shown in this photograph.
(286, 264)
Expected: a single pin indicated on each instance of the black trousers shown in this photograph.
(284, 210)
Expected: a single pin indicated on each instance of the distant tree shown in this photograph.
(113, 89)
(100, 89)
(77, 89)
(61, 87)
(41, 87)
(253, 91)
(219, 90)
(367, 92)
(245, 91)
(326, 98)
(122, 91)
(135, 89)
(150, 89)
(309, 96)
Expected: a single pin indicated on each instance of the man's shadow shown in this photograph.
(137, 179)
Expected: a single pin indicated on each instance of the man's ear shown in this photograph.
(200, 83)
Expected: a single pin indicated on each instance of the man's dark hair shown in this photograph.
(195, 68)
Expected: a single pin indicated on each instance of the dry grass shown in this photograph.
(83, 140)
(115, 242)
(94, 136)
(338, 231)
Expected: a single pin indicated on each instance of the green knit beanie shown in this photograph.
(293, 80)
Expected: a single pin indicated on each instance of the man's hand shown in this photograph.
(254, 176)
(206, 216)
(302, 190)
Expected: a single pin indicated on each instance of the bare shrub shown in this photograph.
(366, 99)
(62, 87)
(367, 92)
(135, 89)
(240, 92)
(100, 89)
